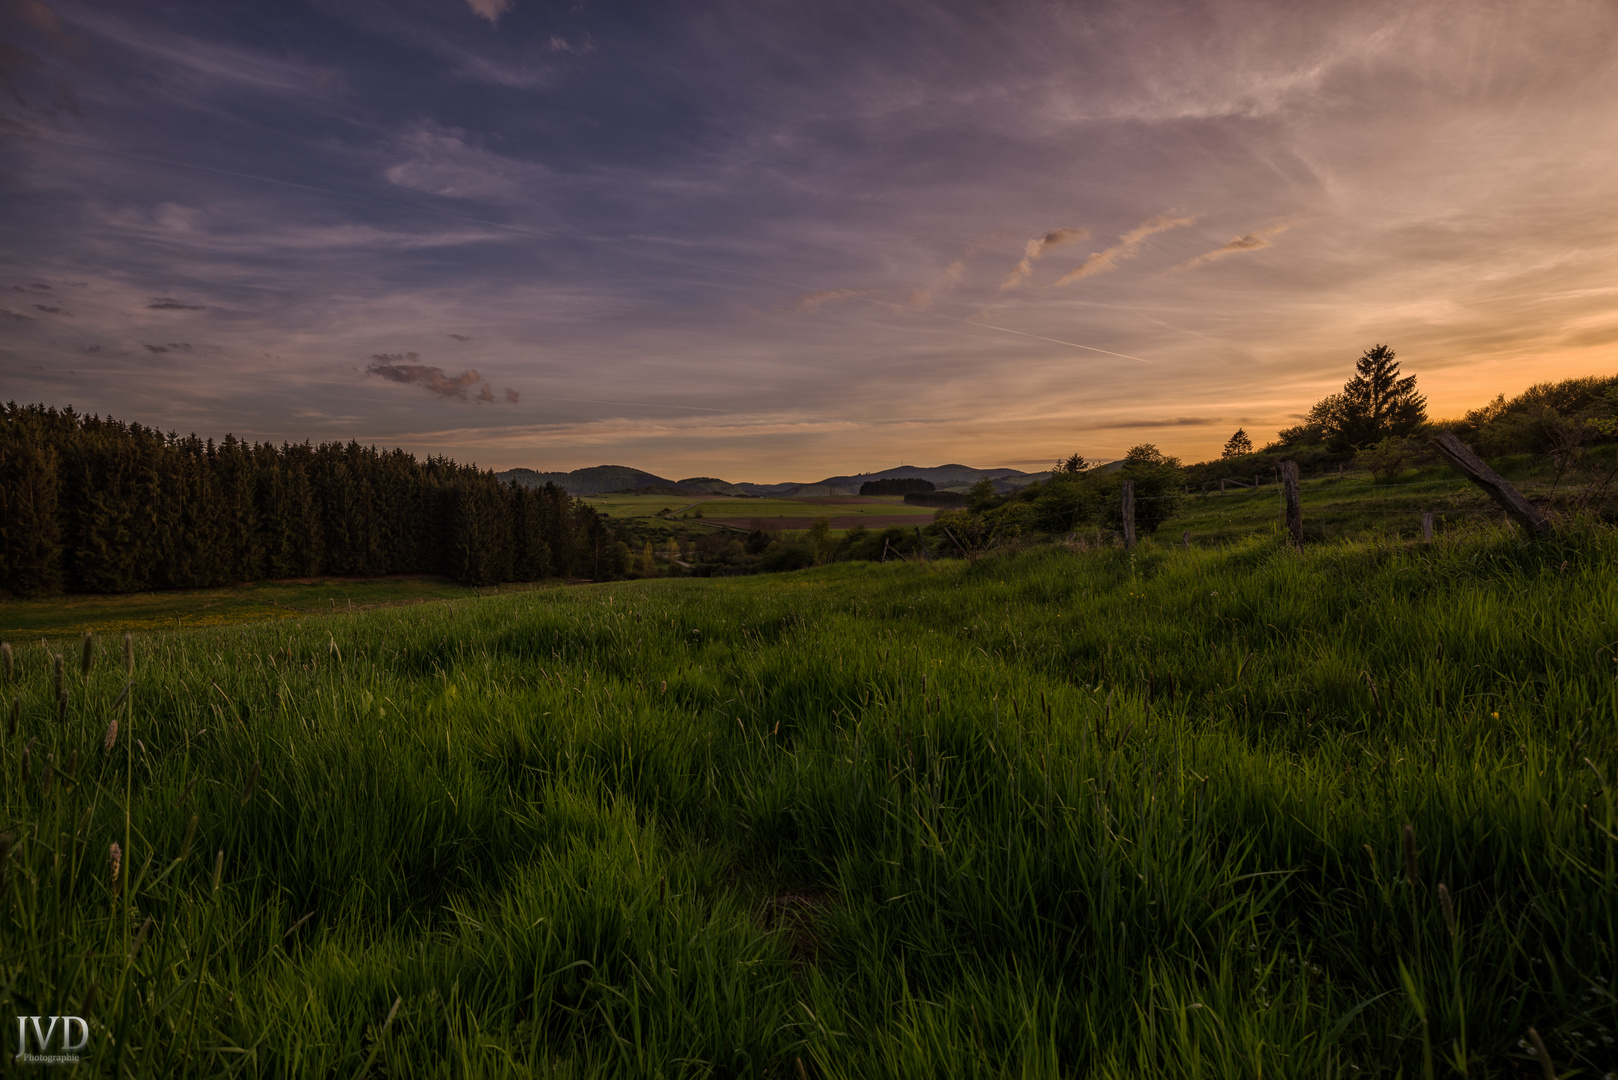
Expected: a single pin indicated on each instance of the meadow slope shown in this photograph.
(1051, 814)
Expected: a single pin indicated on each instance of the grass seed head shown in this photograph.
(1448, 905)
(1411, 875)
(112, 736)
(115, 858)
(16, 714)
(61, 707)
(140, 938)
(5, 858)
(218, 868)
(56, 675)
(8, 661)
(190, 835)
(87, 660)
(1544, 1057)
(247, 788)
(26, 752)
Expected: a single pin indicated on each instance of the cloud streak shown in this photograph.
(1257, 240)
(1035, 250)
(810, 302)
(1127, 247)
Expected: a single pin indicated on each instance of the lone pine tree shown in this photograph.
(1375, 404)
(1238, 445)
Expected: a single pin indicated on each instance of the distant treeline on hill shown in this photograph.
(898, 485)
(95, 505)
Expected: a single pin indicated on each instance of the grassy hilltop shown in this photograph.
(1053, 813)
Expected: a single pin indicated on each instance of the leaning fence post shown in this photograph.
(1292, 511)
(1509, 498)
(1128, 512)
(1427, 525)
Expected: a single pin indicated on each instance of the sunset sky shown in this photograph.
(776, 241)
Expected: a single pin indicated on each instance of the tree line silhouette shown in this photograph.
(91, 504)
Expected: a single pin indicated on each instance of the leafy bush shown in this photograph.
(786, 555)
(1389, 458)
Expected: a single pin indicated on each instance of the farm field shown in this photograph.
(1222, 812)
(785, 515)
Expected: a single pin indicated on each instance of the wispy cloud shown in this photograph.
(953, 273)
(811, 302)
(172, 346)
(168, 303)
(440, 161)
(1035, 249)
(489, 9)
(1172, 422)
(1127, 247)
(1253, 241)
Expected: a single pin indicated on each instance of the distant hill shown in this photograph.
(941, 476)
(595, 480)
(708, 485)
(600, 479)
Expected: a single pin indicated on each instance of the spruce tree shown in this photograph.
(1376, 403)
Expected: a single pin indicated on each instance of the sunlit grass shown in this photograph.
(1057, 813)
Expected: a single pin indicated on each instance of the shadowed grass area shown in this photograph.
(189, 609)
(1055, 813)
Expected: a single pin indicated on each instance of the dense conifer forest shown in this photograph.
(91, 504)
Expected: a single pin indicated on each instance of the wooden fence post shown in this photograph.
(1427, 525)
(921, 545)
(1221, 485)
(1128, 513)
(1185, 538)
(1293, 513)
(1509, 498)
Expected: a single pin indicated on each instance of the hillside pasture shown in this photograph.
(1353, 506)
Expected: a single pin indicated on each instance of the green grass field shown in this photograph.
(1350, 507)
(766, 510)
(182, 609)
(1222, 812)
